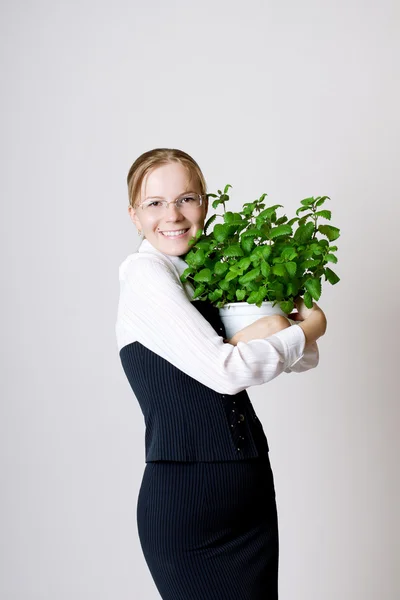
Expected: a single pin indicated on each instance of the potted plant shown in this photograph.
(256, 262)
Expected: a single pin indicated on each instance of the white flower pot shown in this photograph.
(237, 315)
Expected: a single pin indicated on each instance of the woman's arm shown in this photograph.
(267, 326)
(262, 328)
(155, 311)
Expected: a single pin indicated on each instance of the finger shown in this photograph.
(296, 317)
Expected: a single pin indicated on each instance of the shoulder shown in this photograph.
(142, 267)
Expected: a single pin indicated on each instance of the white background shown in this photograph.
(292, 98)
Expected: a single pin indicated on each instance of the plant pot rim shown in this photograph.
(248, 303)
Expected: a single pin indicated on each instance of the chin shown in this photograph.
(177, 250)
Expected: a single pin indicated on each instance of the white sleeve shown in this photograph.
(309, 360)
(155, 311)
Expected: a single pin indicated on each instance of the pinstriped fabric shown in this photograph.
(206, 511)
(186, 420)
(209, 530)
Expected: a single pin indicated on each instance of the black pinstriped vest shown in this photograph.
(186, 420)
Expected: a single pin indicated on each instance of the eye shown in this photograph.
(188, 199)
(154, 203)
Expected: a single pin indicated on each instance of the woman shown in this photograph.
(206, 510)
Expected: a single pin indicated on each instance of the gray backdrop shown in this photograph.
(289, 98)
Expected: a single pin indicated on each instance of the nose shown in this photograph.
(173, 213)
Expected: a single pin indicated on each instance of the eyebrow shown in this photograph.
(162, 198)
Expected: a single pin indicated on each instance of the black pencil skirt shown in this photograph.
(209, 531)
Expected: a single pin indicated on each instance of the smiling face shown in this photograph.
(170, 231)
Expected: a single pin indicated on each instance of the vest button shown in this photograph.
(241, 418)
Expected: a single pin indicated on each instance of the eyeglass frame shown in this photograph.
(166, 204)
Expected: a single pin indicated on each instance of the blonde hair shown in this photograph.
(155, 158)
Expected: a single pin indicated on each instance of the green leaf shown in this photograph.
(210, 220)
(277, 288)
(186, 274)
(313, 286)
(265, 270)
(289, 253)
(308, 300)
(268, 212)
(247, 244)
(310, 263)
(221, 232)
(331, 258)
(189, 258)
(316, 250)
(250, 276)
(226, 188)
(234, 250)
(244, 263)
(234, 267)
(203, 276)
(291, 289)
(287, 306)
(333, 248)
(279, 270)
(252, 286)
(299, 210)
(320, 201)
(199, 258)
(220, 268)
(281, 220)
(326, 214)
(304, 233)
(231, 275)
(259, 298)
(248, 208)
(331, 276)
(251, 232)
(291, 268)
(307, 201)
(332, 233)
(215, 295)
(280, 230)
(224, 285)
(263, 251)
(198, 291)
(240, 295)
(252, 299)
(232, 218)
(216, 203)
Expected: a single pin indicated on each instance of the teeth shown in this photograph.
(173, 233)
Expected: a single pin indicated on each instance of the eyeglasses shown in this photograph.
(185, 203)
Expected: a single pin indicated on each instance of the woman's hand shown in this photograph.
(312, 320)
(262, 328)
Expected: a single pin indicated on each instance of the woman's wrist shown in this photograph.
(314, 326)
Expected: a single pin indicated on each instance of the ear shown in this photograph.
(134, 217)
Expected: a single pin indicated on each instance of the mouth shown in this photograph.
(174, 234)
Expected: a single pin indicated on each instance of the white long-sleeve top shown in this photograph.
(155, 309)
